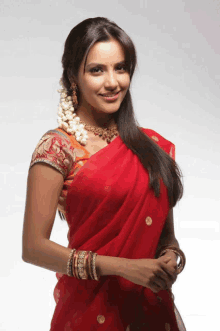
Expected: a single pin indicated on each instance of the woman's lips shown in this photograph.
(114, 97)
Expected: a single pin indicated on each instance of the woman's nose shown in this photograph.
(111, 80)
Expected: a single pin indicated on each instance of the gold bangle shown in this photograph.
(81, 265)
(94, 267)
(76, 269)
(85, 265)
(89, 265)
(73, 264)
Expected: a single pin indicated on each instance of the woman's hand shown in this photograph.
(173, 264)
(156, 274)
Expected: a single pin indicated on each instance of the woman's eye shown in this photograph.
(94, 69)
(122, 67)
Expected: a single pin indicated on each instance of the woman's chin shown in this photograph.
(110, 108)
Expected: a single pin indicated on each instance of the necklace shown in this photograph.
(104, 133)
(71, 123)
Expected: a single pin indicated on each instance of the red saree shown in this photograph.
(112, 211)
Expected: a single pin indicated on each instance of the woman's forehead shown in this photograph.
(105, 52)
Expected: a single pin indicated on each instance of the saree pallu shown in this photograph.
(112, 211)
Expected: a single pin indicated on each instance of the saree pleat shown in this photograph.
(108, 203)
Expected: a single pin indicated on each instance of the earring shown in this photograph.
(74, 88)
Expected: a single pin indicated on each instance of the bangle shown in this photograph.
(94, 267)
(82, 265)
(75, 264)
(176, 250)
(69, 263)
(86, 264)
(90, 265)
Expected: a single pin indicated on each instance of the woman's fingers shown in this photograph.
(155, 287)
(166, 274)
(168, 269)
(166, 277)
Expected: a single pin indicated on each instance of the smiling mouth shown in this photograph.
(112, 98)
(109, 95)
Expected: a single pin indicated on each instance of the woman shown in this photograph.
(115, 184)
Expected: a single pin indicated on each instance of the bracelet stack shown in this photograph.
(82, 265)
(177, 251)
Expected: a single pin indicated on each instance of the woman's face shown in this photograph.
(105, 73)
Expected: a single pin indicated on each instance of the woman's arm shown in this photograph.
(44, 186)
(168, 236)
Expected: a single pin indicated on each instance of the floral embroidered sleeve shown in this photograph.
(55, 150)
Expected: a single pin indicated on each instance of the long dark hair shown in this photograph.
(157, 162)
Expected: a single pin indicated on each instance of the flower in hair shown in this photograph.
(67, 119)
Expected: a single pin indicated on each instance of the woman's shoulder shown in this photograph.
(155, 135)
(164, 143)
(56, 133)
(54, 148)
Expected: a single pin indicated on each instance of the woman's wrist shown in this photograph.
(110, 265)
(171, 254)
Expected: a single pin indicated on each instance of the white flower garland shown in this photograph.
(67, 119)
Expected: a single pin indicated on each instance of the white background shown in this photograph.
(175, 92)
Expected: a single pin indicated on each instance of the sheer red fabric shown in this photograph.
(109, 204)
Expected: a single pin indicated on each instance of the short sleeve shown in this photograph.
(56, 151)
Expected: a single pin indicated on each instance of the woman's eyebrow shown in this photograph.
(100, 64)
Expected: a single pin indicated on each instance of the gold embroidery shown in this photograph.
(58, 153)
(54, 165)
(148, 220)
(155, 138)
(171, 152)
(79, 152)
(101, 319)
